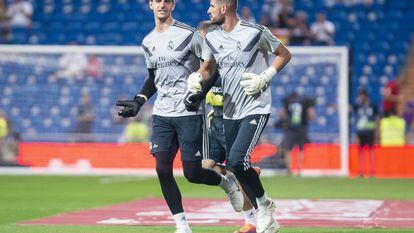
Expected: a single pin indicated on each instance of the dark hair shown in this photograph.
(363, 92)
(232, 3)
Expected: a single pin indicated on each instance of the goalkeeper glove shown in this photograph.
(131, 107)
(194, 82)
(193, 101)
(253, 83)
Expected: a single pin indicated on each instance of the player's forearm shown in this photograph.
(207, 70)
(208, 84)
(283, 56)
(149, 88)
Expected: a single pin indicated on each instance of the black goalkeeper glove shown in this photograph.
(131, 107)
(193, 101)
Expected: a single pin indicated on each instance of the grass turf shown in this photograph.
(30, 197)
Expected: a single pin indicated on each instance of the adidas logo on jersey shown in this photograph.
(198, 153)
(221, 47)
(253, 122)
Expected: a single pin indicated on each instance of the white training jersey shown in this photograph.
(173, 54)
(244, 49)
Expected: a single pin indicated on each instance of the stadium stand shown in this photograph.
(378, 35)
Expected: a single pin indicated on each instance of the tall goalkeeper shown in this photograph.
(172, 51)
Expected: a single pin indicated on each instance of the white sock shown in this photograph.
(263, 201)
(180, 220)
(250, 216)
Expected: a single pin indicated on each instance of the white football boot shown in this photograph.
(183, 230)
(266, 223)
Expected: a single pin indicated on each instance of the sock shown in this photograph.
(224, 183)
(250, 216)
(180, 220)
(263, 201)
(169, 188)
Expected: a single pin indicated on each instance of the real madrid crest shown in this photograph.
(238, 46)
(170, 45)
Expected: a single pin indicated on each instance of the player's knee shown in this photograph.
(236, 166)
(164, 165)
(164, 171)
(208, 163)
(192, 176)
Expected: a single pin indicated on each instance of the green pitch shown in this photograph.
(31, 197)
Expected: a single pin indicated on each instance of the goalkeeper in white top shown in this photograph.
(172, 51)
(239, 50)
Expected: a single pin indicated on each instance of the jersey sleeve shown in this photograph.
(207, 52)
(268, 41)
(197, 44)
(147, 56)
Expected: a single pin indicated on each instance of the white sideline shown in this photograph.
(46, 171)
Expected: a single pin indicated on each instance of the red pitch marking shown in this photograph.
(290, 213)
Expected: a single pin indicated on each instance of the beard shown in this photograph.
(217, 21)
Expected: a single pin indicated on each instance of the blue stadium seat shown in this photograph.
(379, 37)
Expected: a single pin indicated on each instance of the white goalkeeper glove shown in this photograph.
(194, 82)
(253, 83)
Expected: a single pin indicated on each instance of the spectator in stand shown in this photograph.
(4, 128)
(9, 142)
(10, 150)
(270, 7)
(4, 24)
(390, 96)
(322, 31)
(267, 20)
(367, 119)
(246, 15)
(20, 14)
(275, 7)
(135, 130)
(408, 116)
(392, 130)
(299, 30)
(85, 118)
(295, 115)
(73, 64)
(283, 14)
(94, 67)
